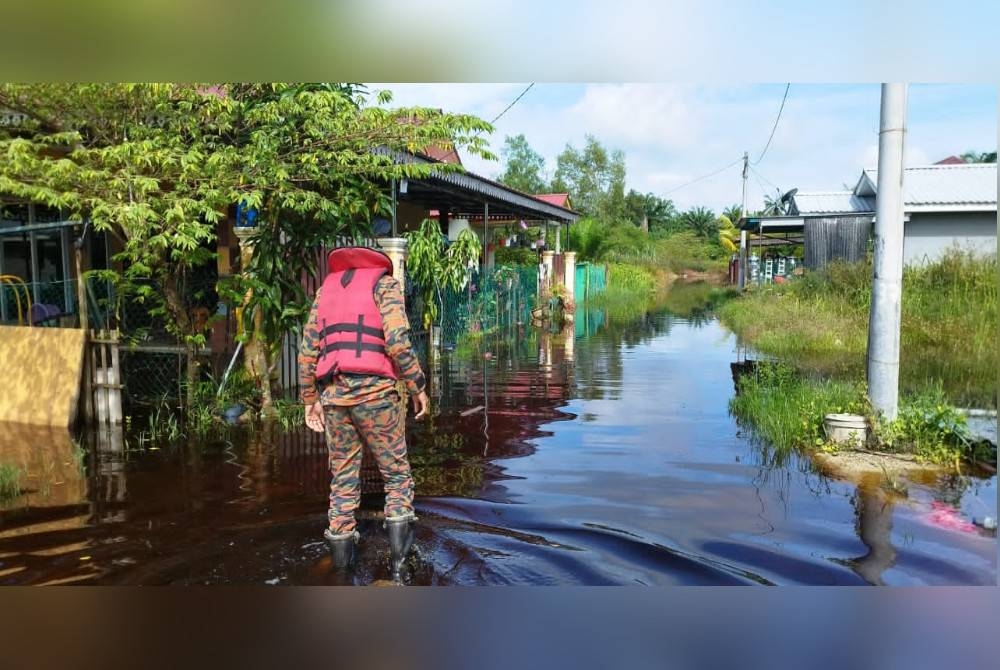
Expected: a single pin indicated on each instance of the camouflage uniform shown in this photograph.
(366, 410)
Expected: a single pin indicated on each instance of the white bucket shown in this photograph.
(846, 428)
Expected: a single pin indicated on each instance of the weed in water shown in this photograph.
(10, 481)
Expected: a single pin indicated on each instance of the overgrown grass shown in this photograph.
(10, 482)
(787, 410)
(627, 278)
(631, 289)
(820, 323)
(687, 251)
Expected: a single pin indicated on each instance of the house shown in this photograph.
(945, 205)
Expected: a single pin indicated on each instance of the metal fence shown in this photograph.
(591, 280)
(499, 299)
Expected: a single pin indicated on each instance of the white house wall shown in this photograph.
(928, 236)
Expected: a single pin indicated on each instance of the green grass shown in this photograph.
(687, 251)
(819, 323)
(10, 481)
(786, 410)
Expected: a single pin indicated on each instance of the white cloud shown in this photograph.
(640, 115)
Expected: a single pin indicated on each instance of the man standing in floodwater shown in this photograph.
(355, 347)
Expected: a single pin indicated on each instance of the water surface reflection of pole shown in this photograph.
(873, 509)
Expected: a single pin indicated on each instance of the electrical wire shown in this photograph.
(706, 176)
(775, 127)
(512, 104)
(758, 174)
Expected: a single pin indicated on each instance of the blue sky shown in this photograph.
(673, 133)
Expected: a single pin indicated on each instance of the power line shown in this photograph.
(758, 174)
(775, 127)
(512, 104)
(706, 176)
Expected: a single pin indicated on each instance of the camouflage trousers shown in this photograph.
(378, 425)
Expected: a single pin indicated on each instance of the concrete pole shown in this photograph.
(887, 284)
(742, 263)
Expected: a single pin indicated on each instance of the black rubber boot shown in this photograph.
(400, 543)
(341, 548)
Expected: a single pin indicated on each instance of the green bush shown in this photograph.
(515, 256)
(926, 425)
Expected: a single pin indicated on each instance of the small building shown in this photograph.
(945, 206)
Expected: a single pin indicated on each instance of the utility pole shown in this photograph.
(887, 282)
(743, 234)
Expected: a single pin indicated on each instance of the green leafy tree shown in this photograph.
(649, 210)
(594, 178)
(589, 238)
(159, 165)
(435, 266)
(733, 213)
(701, 221)
(523, 166)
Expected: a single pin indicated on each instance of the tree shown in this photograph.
(774, 206)
(729, 234)
(589, 238)
(979, 157)
(523, 166)
(159, 165)
(594, 178)
(701, 221)
(650, 210)
(733, 213)
(434, 266)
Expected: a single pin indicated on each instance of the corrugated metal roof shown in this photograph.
(479, 188)
(557, 199)
(830, 202)
(965, 186)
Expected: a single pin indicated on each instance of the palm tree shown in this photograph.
(729, 234)
(701, 221)
(774, 206)
(734, 213)
(984, 157)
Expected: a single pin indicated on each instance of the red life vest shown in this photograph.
(350, 323)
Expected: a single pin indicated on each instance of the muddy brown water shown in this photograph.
(605, 455)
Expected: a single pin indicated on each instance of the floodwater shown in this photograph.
(602, 454)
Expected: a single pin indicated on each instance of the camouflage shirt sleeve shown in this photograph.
(309, 355)
(397, 334)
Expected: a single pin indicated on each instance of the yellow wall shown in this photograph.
(42, 369)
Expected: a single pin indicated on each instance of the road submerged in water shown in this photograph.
(603, 455)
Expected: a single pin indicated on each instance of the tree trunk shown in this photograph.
(183, 321)
(261, 363)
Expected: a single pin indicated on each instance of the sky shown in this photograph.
(676, 133)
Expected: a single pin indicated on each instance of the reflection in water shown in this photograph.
(873, 509)
(600, 454)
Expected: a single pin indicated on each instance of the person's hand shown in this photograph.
(314, 417)
(421, 403)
